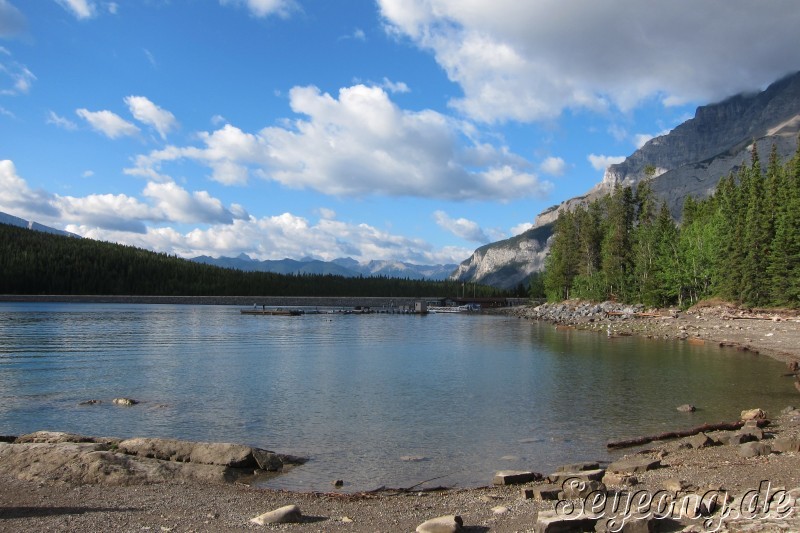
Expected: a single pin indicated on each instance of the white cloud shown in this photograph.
(82, 9)
(555, 166)
(326, 213)
(62, 122)
(6, 113)
(150, 57)
(461, 227)
(395, 87)
(20, 77)
(359, 144)
(12, 21)
(527, 61)
(149, 113)
(163, 203)
(117, 212)
(602, 162)
(280, 236)
(178, 205)
(145, 223)
(263, 8)
(17, 198)
(109, 124)
(520, 228)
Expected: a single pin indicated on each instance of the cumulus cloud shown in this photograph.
(461, 227)
(161, 203)
(149, 113)
(528, 61)
(555, 166)
(81, 9)
(178, 204)
(358, 144)
(284, 235)
(602, 162)
(264, 8)
(145, 223)
(109, 124)
(12, 21)
(16, 197)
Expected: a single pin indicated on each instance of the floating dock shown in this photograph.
(272, 312)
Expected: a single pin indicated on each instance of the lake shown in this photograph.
(462, 395)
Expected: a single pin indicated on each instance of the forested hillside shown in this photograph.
(33, 262)
(741, 244)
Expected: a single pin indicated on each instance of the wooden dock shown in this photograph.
(272, 312)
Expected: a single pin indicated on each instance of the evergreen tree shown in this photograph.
(617, 257)
(757, 236)
(561, 264)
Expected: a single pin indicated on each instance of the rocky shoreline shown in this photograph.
(713, 480)
(775, 333)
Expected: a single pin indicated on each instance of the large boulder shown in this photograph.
(207, 453)
(91, 463)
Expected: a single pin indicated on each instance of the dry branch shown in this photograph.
(723, 426)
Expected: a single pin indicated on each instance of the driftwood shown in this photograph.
(723, 426)
(746, 317)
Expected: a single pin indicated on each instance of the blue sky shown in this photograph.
(412, 130)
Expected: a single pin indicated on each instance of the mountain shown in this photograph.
(11, 220)
(347, 267)
(689, 160)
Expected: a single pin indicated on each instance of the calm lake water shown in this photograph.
(357, 394)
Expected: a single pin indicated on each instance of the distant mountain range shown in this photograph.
(689, 160)
(347, 267)
(11, 220)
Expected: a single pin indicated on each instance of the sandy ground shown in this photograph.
(49, 505)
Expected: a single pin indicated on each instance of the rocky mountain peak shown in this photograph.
(689, 160)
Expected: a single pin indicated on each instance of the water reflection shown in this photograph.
(468, 394)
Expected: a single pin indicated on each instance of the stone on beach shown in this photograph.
(441, 524)
(287, 514)
(753, 414)
(542, 492)
(578, 490)
(701, 440)
(578, 467)
(634, 465)
(515, 477)
(786, 444)
(209, 453)
(583, 475)
(552, 522)
(754, 449)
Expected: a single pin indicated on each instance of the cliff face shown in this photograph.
(690, 160)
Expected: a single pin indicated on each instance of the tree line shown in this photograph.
(741, 244)
(33, 262)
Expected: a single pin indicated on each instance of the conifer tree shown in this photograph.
(617, 257)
